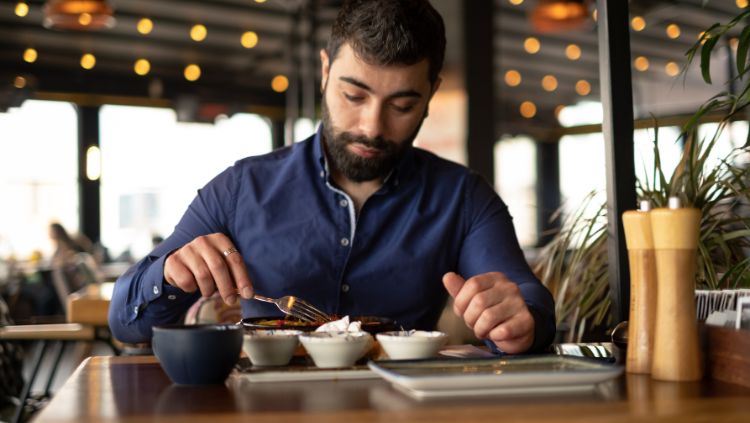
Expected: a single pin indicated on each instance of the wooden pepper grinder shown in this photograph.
(643, 288)
(677, 354)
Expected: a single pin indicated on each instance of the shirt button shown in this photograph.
(172, 297)
(156, 290)
(322, 174)
(135, 310)
(343, 203)
(345, 288)
(344, 242)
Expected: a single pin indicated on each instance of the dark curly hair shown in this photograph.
(388, 32)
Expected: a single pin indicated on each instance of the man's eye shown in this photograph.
(353, 98)
(403, 109)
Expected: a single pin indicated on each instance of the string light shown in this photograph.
(30, 55)
(279, 83)
(515, 2)
(85, 19)
(88, 61)
(532, 45)
(583, 87)
(638, 23)
(527, 109)
(672, 69)
(142, 67)
(198, 32)
(741, 3)
(19, 82)
(192, 72)
(673, 31)
(22, 9)
(512, 78)
(573, 52)
(249, 39)
(641, 63)
(145, 26)
(549, 83)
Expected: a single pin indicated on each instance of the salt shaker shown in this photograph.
(675, 232)
(643, 288)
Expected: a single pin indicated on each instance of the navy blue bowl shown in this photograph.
(197, 354)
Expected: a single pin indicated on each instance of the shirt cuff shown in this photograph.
(154, 290)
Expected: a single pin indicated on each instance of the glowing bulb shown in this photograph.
(673, 31)
(85, 19)
(19, 82)
(532, 45)
(638, 23)
(515, 2)
(279, 83)
(549, 83)
(573, 52)
(145, 26)
(512, 78)
(741, 3)
(672, 69)
(641, 63)
(527, 109)
(198, 33)
(88, 61)
(192, 72)
(93, 163)
(29, 55)
(583, 87)
(249, 39)
(22, 9)
(142, 67)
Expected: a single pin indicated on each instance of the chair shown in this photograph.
(46, 335)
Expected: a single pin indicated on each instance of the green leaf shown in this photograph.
(742, 48)
(706, 51)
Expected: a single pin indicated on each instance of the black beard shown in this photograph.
(357, 168)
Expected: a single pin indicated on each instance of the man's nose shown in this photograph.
(371, 123)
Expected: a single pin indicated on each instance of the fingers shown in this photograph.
(202, 264)
(493, 307)
(453, 283)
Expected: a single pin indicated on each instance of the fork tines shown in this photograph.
(307, 312)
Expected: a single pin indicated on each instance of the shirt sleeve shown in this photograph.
(491, 245)
(142, 298)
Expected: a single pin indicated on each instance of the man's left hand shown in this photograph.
(492, 306)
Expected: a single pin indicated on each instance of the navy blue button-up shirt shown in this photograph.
(300, 235)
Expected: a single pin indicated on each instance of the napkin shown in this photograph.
(341, 325)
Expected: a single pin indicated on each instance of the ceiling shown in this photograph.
(235, 78)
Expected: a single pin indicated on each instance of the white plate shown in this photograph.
(505, 375)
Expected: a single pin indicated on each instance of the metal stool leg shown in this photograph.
(27, 386)
(53, 370)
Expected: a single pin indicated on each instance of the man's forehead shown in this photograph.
(350, 64)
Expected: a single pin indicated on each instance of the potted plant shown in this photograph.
(574, 263)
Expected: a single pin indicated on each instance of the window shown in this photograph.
(515, 181)
(38, 175)
(152, 167)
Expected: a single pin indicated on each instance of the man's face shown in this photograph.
(371, 113)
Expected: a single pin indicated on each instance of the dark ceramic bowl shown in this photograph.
(369, 324)
(197, 354)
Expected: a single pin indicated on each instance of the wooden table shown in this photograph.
(135, 389)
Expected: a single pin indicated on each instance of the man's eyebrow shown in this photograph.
(360, 84)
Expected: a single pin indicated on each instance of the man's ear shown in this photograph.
(325, 67)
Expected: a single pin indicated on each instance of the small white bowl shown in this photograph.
(409, 345)
(270, 347)
(335, 349)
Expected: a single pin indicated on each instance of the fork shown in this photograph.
(296, 307)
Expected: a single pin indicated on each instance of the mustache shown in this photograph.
(378, 143)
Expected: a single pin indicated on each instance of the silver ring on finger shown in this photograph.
(229, 251)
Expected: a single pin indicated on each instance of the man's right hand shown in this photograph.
(207, 264)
